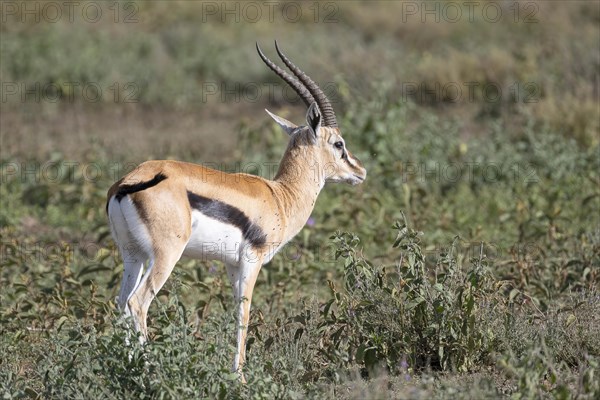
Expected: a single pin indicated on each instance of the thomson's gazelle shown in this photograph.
(164, 210)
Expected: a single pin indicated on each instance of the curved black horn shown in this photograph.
(313, 88)
(293, 82)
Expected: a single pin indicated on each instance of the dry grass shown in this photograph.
(133, 133)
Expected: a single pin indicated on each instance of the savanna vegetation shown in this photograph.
(466, 266)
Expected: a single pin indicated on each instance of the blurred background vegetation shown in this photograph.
(479, 125)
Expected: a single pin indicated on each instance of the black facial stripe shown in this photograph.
(230, 215)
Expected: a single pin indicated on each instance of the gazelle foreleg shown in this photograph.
(243, 278)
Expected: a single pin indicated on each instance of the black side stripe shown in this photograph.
(228, 214)
(124, 190)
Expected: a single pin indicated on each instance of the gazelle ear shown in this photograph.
(313, 118)
(287, 126)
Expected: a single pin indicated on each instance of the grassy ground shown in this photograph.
(466, 266)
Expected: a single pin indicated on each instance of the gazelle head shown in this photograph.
(320, 137)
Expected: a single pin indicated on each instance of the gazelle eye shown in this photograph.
(338, 145)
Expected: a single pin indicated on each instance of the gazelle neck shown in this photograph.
(299, 181)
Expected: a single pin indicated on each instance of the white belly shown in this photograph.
(214, 240)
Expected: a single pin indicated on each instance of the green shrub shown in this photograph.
(415, 316)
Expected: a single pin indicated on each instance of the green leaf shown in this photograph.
(570, 320)
(61, 322)
(370, 357)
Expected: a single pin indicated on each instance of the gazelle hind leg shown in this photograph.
(152, 281)
(133, 267)
(132, 274)
(134, 245)
(132, 253)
